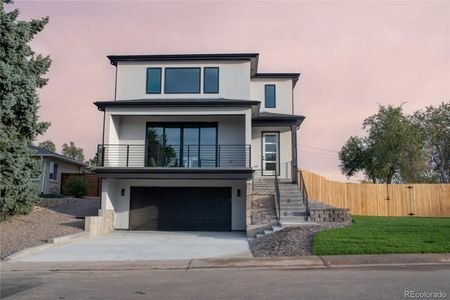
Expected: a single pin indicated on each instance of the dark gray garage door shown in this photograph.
(180, 208)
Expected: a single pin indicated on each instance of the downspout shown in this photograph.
(115, 85)
(103, 131)
(42, 175)
(294, 162)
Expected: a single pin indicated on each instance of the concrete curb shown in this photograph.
(386, 259)
(51, 243)
(303, 262)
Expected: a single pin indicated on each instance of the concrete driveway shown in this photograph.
(148, 245)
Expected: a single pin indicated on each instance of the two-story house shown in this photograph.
(185, 136)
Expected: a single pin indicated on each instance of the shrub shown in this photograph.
(75, 186)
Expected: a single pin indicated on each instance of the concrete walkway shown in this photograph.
(147, 245)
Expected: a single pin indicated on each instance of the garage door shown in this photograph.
(180, 208)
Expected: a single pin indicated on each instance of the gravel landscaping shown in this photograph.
(291, 241)
(50, 218)
(312, 204)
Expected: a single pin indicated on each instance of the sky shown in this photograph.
(352, 56)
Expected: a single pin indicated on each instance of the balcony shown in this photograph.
(159, 156)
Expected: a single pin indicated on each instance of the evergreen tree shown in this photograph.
(21, 72)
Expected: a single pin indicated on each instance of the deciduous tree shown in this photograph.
(71, 150)
(392, 148)
(434, 124)
(48, 144)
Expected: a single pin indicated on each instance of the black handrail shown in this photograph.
(181, 156)
(277, 197)
(302, 187)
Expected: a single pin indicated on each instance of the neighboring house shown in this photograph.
(53, 165)
(186, 135)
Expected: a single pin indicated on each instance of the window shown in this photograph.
(182, 81)
(153, 80)
(53, 172)
(269, 96)
(211, 80)
(188, 145)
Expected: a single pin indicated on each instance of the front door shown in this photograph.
(270, 153)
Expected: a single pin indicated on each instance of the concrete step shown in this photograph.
(276, 228)
(293, 213)
(292, 219)
(266, 232)
(260, 235)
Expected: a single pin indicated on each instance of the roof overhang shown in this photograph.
(102, 105)
(277, 120)
(63, 158)
(174, 173)
(252, 57)
(293, 76)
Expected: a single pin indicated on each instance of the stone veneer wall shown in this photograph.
(330, 215)
(101, 224)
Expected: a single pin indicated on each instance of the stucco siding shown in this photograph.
(234, 80)
(283, 94)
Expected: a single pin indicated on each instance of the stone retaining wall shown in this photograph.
(330, 215)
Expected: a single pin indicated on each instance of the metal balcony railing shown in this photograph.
(174, 156)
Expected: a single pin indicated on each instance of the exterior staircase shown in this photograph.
(292, 209)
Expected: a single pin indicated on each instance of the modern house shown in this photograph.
(52, 167)
(187, 134)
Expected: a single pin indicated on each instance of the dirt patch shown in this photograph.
(263, 209)
(291, 241)
(50, 218)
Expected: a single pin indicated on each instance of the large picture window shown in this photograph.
(182, 81)
(270, 96)
(189, 145)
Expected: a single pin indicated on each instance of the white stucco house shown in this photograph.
(185, 136)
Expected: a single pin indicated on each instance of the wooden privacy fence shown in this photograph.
(367, 199)
(92, 181)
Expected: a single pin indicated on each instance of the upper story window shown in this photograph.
(211, 80)
(182, 81)
(270, 96)
(153, 81)
(53, 172)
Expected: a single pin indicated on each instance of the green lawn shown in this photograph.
(380, 235)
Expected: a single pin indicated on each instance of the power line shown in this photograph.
(317, 148)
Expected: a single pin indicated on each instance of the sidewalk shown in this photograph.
(303, 262)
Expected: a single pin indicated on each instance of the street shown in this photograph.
(326, 283)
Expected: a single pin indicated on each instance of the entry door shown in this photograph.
(270, 153)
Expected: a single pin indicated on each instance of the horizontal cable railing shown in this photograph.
(167, 156)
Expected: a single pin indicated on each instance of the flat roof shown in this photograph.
(175, 102)
(293, 76)
(268, 119)
(252, 57)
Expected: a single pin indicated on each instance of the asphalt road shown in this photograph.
(358, 283)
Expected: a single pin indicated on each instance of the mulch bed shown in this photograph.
(291, 241)
(50, 218)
